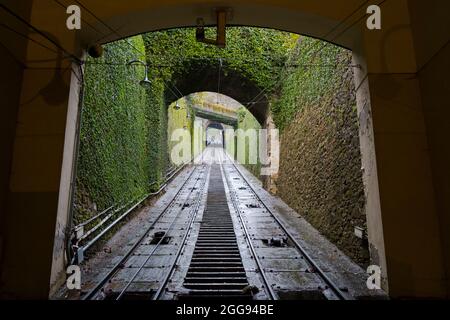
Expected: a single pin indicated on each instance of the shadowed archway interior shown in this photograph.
(214, 76)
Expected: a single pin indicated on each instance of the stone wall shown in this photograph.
(320, 164)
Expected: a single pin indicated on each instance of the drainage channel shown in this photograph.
(216, 269)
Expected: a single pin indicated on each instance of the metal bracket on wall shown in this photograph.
(221, 15)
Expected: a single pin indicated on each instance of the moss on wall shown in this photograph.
(125, 129)
(320, 161)
(256, 53)
(246, 121)
(115, 157)
(158, 132)
(182, 118)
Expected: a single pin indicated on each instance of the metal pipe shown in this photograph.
(195, 210)
(220, 40)
(113, 224)
(84, 248)
(92, 219)
(118, 265)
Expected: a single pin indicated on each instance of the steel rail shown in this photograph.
(119, 264)
(92, 219)
(104, 231)
(234, 201)
(195, 211)
(150, 254)
(334, 287)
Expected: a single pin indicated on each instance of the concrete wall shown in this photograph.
(13, 63)
(413, 250)
(320, 164)
(9, 94)
(431, 29)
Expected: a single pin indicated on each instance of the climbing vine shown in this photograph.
(255, 53)
(125, 127)
(246, 121)
(312, 72)
(115, 162)
(320, 163)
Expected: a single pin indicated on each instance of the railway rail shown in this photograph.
(283, 236)
(151, 241)
(79, 236)
(221, 246)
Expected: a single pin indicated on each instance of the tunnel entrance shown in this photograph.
(215, 135)
(344, 26)
(176, 99)
(153, 100)
(402, 118)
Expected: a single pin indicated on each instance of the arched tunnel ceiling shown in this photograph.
(203, 75)
(214, 125)
(309, 17)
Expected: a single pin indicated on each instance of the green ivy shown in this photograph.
(313, 71)
(114, 164)
(247, 121)
(257, 54)
(124, 136)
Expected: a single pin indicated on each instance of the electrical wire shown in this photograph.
(83, 20)
(315, 44)
(174, 93)
(176, 88)
(12, 55)
(41, 33)
(218, 79)
(253, 101)
(27, 37)
(108, 26)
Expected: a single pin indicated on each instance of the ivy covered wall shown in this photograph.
(241, 70)
(320, 162)
(116, 158)
(256, 53)
(246, 121)
(181, 117)
(125, 128)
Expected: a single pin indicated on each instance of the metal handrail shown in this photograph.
(81, 249)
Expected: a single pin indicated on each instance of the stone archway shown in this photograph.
(205, 75)
(402, 143)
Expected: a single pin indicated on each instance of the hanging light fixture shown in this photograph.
(145, 83)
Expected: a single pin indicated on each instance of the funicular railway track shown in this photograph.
(216, 268)
(150, 242)
(237, 182)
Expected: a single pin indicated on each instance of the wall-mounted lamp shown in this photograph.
(177, 106)
(146, 82)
